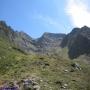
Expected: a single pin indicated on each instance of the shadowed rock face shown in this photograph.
(78, 42)
(26, 43)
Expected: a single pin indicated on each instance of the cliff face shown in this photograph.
(78, 42)
(49, 41)
(26, 43)
(19, 39)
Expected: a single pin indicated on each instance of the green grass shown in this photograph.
(16, 65)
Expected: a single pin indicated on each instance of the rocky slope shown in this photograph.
(78, 42)
(26, 43)
(18, 39)
(49, 41)
(47, 72)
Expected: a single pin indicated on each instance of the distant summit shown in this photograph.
(49, 41)
(78, 42)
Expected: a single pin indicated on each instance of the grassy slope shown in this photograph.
(16, 65)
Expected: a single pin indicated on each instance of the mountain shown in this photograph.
(6, 31)
(18, 39)
(27, 44)
(20, 63)
(49, 41)
(77, 41)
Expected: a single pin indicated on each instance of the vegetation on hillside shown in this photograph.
(51, 72)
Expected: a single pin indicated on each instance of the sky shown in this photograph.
(35, 17)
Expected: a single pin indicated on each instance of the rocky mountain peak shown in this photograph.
(26, 43)
(78, 42)
(85, 27)
(49, 41)
(53, 35)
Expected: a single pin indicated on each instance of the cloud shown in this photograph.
(78, 11)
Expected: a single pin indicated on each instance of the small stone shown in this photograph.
(41, 80)
(45, 85)
(76, 66)
(66, 70)
(65, 85)
(36, 87)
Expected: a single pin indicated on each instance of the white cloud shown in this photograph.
(78, 11)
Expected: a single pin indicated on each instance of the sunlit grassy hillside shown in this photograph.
(49, 70)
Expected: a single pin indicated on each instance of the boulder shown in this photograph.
(76, 66)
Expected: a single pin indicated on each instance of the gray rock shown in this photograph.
(76, 66)
(36, 87)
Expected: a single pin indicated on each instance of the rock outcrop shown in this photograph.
(48, 41)
(78, 42)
